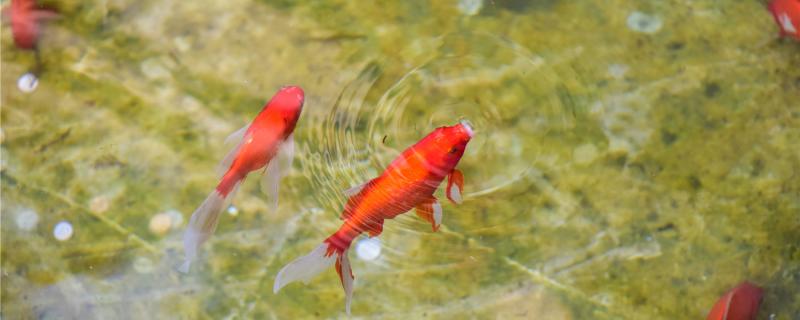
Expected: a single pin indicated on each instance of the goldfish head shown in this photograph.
(289, 99)
(448, 144)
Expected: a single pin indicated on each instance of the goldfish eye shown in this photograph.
(453, 150)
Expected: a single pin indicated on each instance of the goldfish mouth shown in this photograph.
(468, 127)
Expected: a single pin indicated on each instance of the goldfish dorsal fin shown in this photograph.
(455, 186)
(430, 210)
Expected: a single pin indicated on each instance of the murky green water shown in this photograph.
(615, 174)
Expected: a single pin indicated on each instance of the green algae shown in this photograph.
(615, 174)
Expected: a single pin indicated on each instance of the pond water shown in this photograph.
(631, 159)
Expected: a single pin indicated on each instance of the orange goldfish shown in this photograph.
(407, 183)
(269, 135)
(787, 15)
(741, 303)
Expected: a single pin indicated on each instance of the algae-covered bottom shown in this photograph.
(631, 160)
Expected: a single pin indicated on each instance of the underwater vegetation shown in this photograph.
(631, 160)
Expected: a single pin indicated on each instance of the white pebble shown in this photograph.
(368, 248)
(27, 82)
(470, 7)
(176, 217)
(232, 210)
(644, 23)
(160, 223)
(27, 219)
(143, 265)
(63, 231)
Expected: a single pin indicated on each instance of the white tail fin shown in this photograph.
(304, 268)
(202, 225)
(307, 267)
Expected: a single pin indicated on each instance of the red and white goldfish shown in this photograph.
(740, 303)
(26, 21)
(268, 136)
(407, 183)
(787, 16)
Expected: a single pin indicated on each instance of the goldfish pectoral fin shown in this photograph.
(286, 154)
(455, 186)
(354, 190)
(201, 226)
(270, 181)
(346, 276)
(45, 14)
(237, 138)
(304, 268)
(430, 210)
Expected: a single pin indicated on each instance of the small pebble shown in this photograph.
(27, 219)
(470, 7)
(368, 248)
(27, 82)
(99, 204)
(160, 223)
(233, 210)
(63, 231)
(175, 217)
(644, 23)
(143, 265)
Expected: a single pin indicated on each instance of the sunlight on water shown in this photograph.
(630, 160)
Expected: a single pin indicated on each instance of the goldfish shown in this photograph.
(26, 21)
(740, 303)
(787, 16)
(407, 183)
(269, 135)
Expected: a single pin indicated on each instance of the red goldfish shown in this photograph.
(407, 183)
(787, 16)
(269, 135)
(26, 22)
(741, 303)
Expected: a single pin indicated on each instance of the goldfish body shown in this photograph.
(269, 134)
(407, 183)
(787, 16)
(26, 21)
(741, 303)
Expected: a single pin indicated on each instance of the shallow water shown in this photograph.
(632, 160)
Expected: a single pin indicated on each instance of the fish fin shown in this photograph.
(375, 229)
(430, 210)
(270, 181)
(202, 224)
(354, 190)
(236, 137)
(305, 267)
(45, 14)
(456, 178)
(346, 276)
(353, 194)
(277, 169)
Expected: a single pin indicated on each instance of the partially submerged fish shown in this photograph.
(787, 16)
(407, 183)
(26, 21)
(268, 136)
(740, 303)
